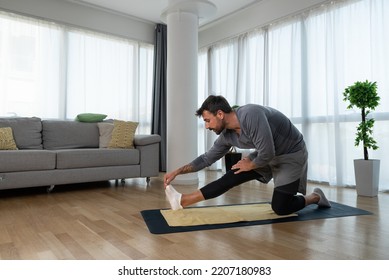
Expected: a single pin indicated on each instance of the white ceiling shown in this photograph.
(151, 10)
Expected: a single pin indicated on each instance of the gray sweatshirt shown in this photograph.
(264, 129)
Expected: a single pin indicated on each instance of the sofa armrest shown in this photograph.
(146, 139)
(148, 146)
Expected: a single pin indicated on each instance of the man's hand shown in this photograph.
(244, 165)
(169, 177)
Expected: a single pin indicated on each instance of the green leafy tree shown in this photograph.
(363, 95)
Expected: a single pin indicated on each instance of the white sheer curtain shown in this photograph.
(345, 43)
(109, 75)
(53, 71)
(301, 67)
(285, 69)
(30, 63)
(234, 70)
(237, 69)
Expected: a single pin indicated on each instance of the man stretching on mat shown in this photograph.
(280, 154)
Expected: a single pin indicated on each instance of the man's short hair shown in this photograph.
(213, 104)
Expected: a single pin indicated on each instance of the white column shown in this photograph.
(182, 17)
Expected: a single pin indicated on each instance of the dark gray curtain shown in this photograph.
(159, 121)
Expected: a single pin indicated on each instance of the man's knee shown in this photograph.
(279, 208)
(283, 198)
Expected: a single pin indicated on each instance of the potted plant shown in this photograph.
(363, 95)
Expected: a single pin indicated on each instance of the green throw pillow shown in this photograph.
(90, 117)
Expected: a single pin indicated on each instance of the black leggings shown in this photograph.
(284, 201)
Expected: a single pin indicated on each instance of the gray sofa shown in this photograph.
(56, 152)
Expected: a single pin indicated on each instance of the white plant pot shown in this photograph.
(367, 173)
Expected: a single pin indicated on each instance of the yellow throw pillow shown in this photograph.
(123, 134)
(7, 141)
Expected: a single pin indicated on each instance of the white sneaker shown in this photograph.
(323, 202)
(174, 197)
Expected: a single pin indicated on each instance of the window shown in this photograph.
(53, 71)
(301, 66)
(30, 67)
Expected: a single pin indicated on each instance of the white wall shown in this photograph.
(258, 15)
(75, 14)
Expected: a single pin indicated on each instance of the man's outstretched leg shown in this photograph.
(211, 190)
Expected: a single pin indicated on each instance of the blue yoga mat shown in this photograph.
(157, 224)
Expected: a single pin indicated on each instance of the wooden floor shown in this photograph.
(102, 221)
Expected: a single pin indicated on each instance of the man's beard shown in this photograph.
(220, 130)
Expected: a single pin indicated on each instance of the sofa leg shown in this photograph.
(147, 180)
(122, 182)
(49, 189)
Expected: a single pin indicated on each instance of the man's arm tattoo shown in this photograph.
(186, 169)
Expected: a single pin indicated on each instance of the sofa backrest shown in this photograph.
(26, 131)
(59, 134)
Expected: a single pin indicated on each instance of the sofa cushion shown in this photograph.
(26, 131)
(7, 141)
(83, 158)
(59, 134)
(27, 160)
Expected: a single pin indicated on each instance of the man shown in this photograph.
(280, 154)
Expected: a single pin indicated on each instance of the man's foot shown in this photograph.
(323, 201)
(174, 197)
